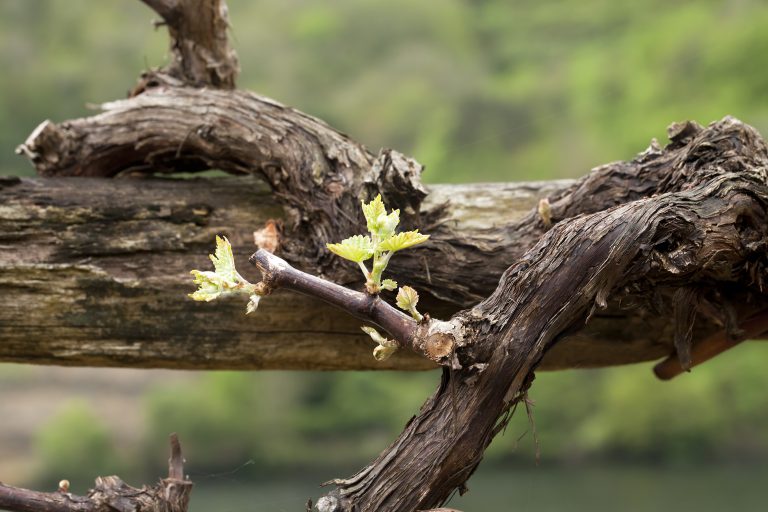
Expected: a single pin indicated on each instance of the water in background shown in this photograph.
(573, 489)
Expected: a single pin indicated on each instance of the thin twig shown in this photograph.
(277, 273)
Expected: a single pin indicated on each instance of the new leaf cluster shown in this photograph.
(380, 244)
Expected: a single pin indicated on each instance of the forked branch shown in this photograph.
(433, 339)
(707, 234)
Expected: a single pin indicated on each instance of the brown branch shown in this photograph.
(23, 500)
(176, 460)
(431, 338)
(713, 346)
(277, 273)
(164, 8)
(109, 494)
(200, 51)
(708, 234)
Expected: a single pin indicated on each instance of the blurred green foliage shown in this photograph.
(477, 91)
(75, 445)
(717, 412)
(280, 421)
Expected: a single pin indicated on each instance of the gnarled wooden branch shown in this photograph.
(110, 494)
(709, 232)
(200, 51)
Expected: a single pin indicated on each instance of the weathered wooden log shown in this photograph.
(88, 266)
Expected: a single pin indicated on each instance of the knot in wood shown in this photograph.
(438, 346)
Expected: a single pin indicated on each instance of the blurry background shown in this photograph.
(492, 90)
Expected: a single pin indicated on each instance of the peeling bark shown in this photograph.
(708, 232)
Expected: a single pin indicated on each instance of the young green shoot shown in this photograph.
(225, 279)
(407, 298)
(379, 245)
(385, 347)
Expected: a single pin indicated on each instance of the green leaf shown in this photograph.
(223, 260)
(357, 248)
(402, 241)
(382, 353)
(374, 334)
(388, 284)
(386, 224)
(407, 298)
(385, 348)
(224, 279)
(373, 210)
(210, 286)
(379, 222)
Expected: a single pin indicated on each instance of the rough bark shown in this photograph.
(199, 53)
(707, 233)
(318, 174)
(87, 266)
